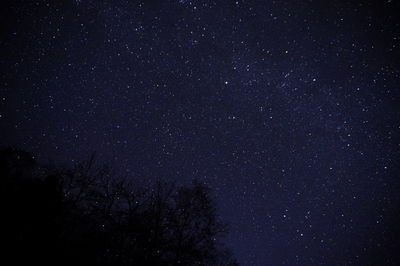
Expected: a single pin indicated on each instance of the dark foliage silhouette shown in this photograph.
(85, 216)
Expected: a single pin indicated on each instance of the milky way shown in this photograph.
(288, 110)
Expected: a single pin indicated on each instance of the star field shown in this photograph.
(288, 110)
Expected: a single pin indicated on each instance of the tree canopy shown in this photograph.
(83, 215)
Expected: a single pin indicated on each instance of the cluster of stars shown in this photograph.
(287, 110)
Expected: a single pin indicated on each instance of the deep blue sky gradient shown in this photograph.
(288, 110)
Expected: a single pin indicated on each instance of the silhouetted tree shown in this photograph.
(85, 216)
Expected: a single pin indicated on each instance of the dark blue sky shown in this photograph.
(288, 110)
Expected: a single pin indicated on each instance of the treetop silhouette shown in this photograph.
(86, 216)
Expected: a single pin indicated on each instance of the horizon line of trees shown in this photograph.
(83, 215)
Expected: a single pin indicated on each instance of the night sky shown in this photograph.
(288, 110)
